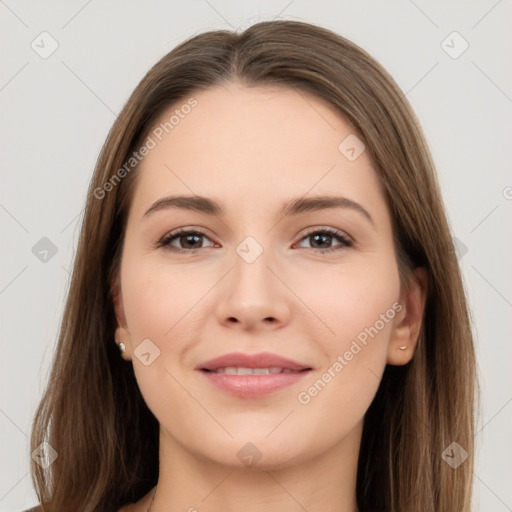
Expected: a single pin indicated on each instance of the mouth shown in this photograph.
(252, 375)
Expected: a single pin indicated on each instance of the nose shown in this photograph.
(254, 296)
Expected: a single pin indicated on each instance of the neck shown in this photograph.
(326, 482)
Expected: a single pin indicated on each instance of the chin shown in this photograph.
(256, 453)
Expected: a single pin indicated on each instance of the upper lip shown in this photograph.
(261, 360)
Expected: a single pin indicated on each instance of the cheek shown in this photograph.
(157, 298)
(360, 308)
(354, 299)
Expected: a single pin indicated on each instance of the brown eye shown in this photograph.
(188, 240)
(322, 238)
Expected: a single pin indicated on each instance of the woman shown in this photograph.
(222, 375)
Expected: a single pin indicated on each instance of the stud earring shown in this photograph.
(403, 347)
(122, 347)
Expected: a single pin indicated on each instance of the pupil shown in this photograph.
(188, 237)
(315, 237)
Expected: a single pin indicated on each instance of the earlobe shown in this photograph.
(409, 321)
(122, 340)
(122, 336)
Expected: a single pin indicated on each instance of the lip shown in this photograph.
(261, 360)
(252, 386)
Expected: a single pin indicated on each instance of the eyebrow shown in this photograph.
(294, 206)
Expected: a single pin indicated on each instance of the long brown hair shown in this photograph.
(92, 412)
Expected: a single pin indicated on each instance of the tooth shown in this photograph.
(240, 370)
(244, 371)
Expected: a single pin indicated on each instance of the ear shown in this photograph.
(409, 320)
(122, 334)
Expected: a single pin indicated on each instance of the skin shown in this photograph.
(252, 149)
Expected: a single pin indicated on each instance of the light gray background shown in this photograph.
(56, 112)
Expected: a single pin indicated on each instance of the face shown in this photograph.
(254, 279)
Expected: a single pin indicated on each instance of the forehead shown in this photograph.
(250, 145)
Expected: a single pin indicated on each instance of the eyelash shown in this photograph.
(339, 235)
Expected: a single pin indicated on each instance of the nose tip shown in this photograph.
(254, 293)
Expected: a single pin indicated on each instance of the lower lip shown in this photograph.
(251, 386)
